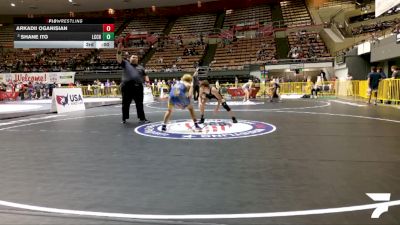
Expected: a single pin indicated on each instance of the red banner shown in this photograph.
(8, 95)
(238, 92)
(226, 34)
(151, 39)
(235, 92)
(267, 30)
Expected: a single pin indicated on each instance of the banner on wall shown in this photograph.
(67, 100)
(52, 77)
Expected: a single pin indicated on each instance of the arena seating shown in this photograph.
(185, 34)
(331, 3)
(187, 26)
(107, 56)
(375, 27)
(147, 24)
(259, 14)
(244, 51)
(307, 44)
(171, 57)
(295, 13)
(118, 22)
(38, 60)
(7, 36)
(22, 59)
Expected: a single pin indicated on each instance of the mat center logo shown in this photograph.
(211, 129)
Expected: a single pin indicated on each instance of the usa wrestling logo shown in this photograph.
(62, 100)
(69, 99)
(211, 129)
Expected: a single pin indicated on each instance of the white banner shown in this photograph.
(381, 6)
(52, 77)
(67, 100)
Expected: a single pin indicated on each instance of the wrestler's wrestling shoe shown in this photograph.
(197, 126)
(234, 120)
(201, 120)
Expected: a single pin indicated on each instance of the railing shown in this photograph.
(388, 90)
(365, 37)
(300, 60)
(98, 91)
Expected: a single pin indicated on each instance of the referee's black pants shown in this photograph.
(132, 90)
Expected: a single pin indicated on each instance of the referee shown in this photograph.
(132, 85)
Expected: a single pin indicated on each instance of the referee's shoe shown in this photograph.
(144, 121)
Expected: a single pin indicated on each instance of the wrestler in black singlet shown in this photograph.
(211, 96)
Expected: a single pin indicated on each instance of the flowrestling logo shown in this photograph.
(69, 99)
(211, 129)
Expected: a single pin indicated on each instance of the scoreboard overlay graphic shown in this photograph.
(64, 33)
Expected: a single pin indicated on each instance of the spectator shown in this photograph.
(323, 75)
(316, 87)
(373, 83)
(236, 81)
(274, 89)
(247, 87)
(383, 75)
(395, 72)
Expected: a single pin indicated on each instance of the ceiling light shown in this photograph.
(70, 1)
(12, 4)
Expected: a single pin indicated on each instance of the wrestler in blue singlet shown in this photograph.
(178, 96)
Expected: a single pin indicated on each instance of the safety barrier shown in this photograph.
(97, 91)
(388, 91)
(325, 88)
(295, 88)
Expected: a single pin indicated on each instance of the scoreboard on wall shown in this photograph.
(64, 33)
